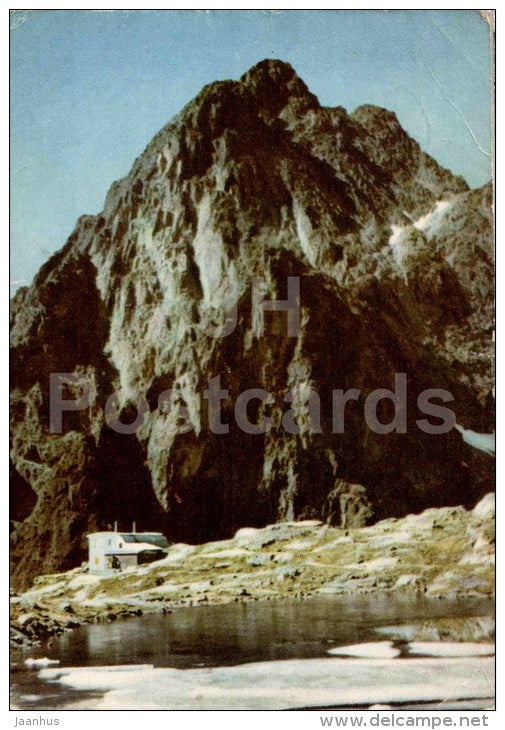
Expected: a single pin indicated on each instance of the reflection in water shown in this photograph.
(235, 633)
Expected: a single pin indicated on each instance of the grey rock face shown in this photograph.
(255, 179)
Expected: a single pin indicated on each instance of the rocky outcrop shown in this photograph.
(254, 179)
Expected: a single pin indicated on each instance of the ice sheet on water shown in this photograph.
(371, 650)
(275, 685)
(41, 662)
(451, 648)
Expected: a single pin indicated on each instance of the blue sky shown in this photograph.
(89, 90)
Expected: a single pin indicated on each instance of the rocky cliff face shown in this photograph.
(254, 179)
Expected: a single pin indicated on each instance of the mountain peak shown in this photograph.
(275, 68)
(254, 178)
(273, 81)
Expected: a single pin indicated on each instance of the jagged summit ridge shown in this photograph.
(274, 82)
(254, 179)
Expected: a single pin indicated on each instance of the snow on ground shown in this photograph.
(429, 223)
(277, 685)
(451, 648)
(397, 242)
(372, 650)
(481, 441)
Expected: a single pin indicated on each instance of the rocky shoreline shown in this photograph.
(446, 553)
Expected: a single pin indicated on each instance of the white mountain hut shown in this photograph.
(112, 552)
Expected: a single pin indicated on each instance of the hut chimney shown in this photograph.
(115, 526)
(133, 527)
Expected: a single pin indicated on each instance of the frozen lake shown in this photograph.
(196, 639)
